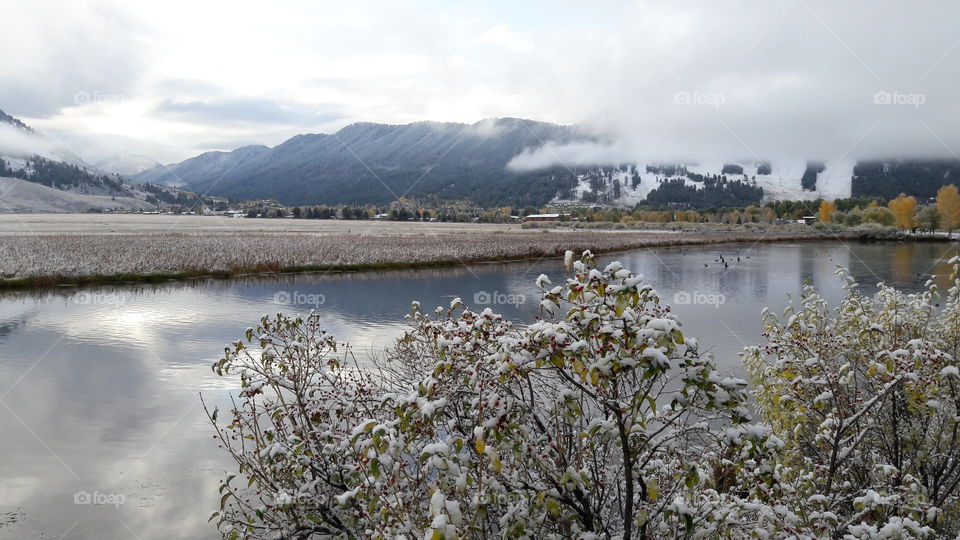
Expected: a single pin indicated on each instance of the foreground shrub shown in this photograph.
(602, 422)
(598, 420)
(867, 399)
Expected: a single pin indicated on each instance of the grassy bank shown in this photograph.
(80, 259)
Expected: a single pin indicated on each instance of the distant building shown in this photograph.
(542, 217)
(808, 220)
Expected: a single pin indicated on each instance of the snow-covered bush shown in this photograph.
(866, 398)
(292, 434)
(603, 421)
(600, 419)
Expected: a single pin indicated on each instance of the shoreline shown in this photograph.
(529, 246)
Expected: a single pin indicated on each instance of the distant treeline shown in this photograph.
(887, 179)
(715, 192)
(809, 179)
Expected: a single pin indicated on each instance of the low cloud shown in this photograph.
(15, 142)
(571, 155)
(487, 128)
(817, 80)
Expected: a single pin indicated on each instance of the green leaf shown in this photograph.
(553, 507)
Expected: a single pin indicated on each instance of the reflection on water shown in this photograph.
(100, 386)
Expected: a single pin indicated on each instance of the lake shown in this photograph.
(103, 434)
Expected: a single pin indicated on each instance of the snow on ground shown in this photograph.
(783, 182)
(15, 164)
(629, 196)
(835, 181)
(20, 196)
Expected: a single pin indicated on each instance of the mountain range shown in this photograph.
(378, 163)
(369, 163)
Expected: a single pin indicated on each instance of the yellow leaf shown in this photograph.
(653, 489)
(579, 368)
(495, 460)
(480, 445)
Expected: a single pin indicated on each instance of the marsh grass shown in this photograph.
(75, 259)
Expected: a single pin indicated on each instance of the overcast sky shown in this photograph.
(664, 80)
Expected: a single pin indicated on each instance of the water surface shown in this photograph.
(99, 386)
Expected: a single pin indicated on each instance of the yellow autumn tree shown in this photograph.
(827, 209)
(948, 204)
(768, 215)
(904, 210)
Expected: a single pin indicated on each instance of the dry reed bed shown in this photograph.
(77, 258)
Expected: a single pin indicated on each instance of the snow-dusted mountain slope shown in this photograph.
(377, 163)
(781, 180)
(630, 194)
(29, 155)
(517, 162)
